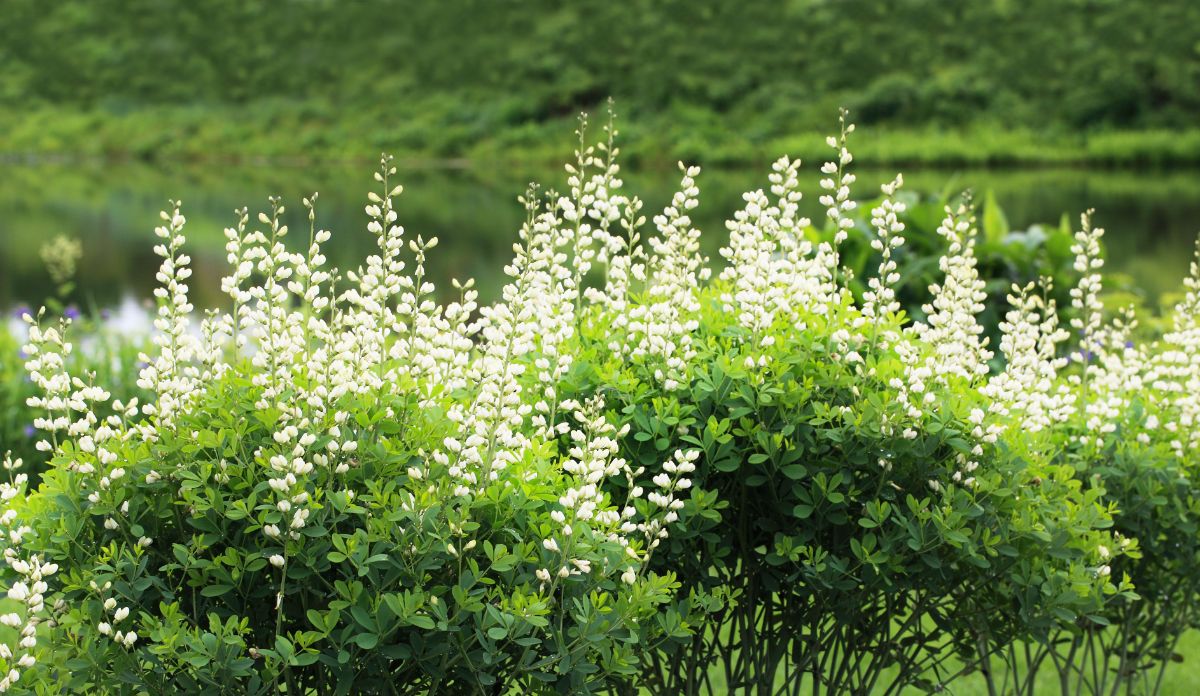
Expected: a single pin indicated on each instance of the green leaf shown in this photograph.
(795, 471)
(995, 224)
(497, 632)
(215, 590)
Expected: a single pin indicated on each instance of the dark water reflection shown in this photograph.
(1151, 218)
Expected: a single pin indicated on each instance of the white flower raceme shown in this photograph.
(748, 255)
(659, 329)
(1085, 297)
(837, 201)
(47, 352)
(239, 255)
(28, 593)
(669, 483)
(619, 253)
(170, 374)
(948, 343)
(879, 299)
(586, 512)
(1175, 373)
(1028, 389)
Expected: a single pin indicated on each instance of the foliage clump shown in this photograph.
(626, 473)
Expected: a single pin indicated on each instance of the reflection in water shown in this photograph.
(1150, 218)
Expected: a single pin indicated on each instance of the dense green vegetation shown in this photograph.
(804, 471)
(874, 438)
(985, 82)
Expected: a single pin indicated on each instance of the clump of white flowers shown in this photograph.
(30, 588)
(775, 271)
(1027, 389)
(336, 362)
(1175, 374)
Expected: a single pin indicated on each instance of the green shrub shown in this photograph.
(1130, 433)
(348, 508)
(623, 475)
(862, 524)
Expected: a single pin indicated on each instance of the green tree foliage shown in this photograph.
(465, 68)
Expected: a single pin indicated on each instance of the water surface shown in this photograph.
(1151, 218)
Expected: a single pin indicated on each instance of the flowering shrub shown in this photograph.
(624, 474)
(857, 518)
(325, 494)
(1131, 431)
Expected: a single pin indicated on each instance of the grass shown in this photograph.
(281, 131)
(1181, 677)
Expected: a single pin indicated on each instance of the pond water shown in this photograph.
(1151, 218)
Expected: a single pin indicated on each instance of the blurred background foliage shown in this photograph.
(1054, 80)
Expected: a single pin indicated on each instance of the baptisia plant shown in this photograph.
(624, 474)
(856, 523)
(339, 485)
(1123, 417)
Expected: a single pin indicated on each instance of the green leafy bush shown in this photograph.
(351, 507)
(625, 474)
(1130, 434)
(862, 521)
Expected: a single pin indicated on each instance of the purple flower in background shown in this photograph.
(21, 311)
(105, 314)
(30, 431)
(71, 312)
